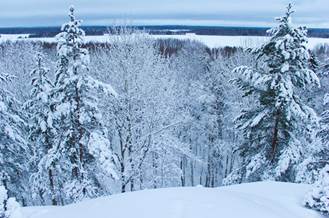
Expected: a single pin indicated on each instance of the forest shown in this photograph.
(82, 120)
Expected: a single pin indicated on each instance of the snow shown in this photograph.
(253, 200)
(9, 208)
(10, 132)
(325, 99)
(99, 147)
(13, 209)
(255, 164)
(258, 118)
(3, 107)
(318, 197)
(3, 197)
(285, 67)
(5, 37)
(212, 41)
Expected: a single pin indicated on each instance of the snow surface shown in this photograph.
(253, 200)
(212, 41)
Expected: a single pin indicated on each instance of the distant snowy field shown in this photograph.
(253, 200)
(210, 41)
(237, 41)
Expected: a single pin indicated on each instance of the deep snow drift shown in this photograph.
(254, 200)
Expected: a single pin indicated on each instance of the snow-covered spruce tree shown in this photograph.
(276, 130)
(9, 208)
(14, 152)
(41, 134)
(81, 154)
(318, 198)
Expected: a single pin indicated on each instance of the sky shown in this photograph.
(26, 13)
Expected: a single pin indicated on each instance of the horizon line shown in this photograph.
(151, 25)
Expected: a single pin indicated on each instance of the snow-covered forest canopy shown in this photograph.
(82, 120)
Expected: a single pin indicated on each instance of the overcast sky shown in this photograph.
(312, 13)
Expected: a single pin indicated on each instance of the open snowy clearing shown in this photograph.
(254, 200)
(209, 40)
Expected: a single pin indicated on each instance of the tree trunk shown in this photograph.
(79, 126)
(52, 187)
(182, 167)
(275, 139)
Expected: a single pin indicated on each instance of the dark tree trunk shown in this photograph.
(275, 139)
(52, 187)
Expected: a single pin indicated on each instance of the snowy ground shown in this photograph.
(210, 41)
(238, 41)
(254, 200)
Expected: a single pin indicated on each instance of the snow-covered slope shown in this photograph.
(254, 200)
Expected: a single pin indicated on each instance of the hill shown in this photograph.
(254, 200)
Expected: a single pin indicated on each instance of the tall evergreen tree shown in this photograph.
(41, 132)
(82, 151)
(277, 128)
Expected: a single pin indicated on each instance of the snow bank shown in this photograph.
(254, 200)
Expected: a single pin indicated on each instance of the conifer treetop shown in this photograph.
(39, 58)
(71, 13)
(287, 17)
(71, 35)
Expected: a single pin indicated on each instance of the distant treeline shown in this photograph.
(36, 32)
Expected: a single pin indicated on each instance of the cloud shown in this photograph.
(196, 12)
